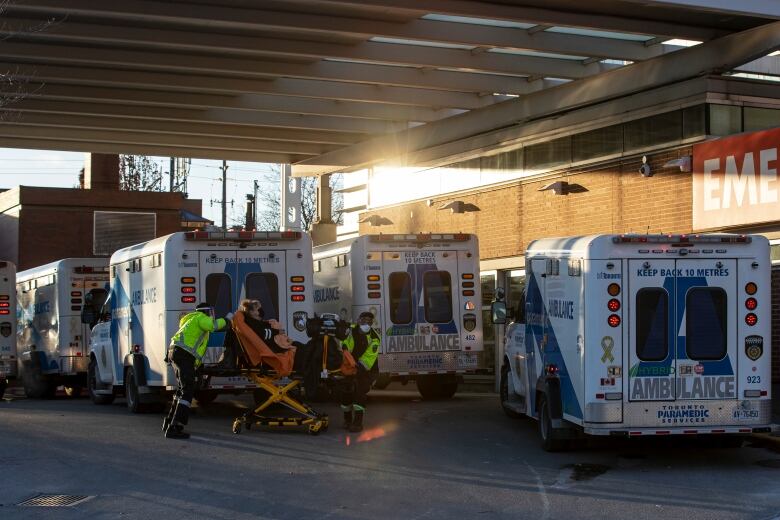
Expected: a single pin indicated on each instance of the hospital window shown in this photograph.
(705, 323)
(219, 293)
(400, 298)
(265, 288)
(652, 324)
(437, 289)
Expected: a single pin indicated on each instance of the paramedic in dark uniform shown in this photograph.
(186, 351)
(363, 343)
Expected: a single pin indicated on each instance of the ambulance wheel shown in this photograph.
(504, 393)
(550, 442)
(730, 442)
(131, 393)
(92, 385)
(432, 387)
(36, 384)
(205, 397)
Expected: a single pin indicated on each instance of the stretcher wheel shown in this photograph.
(237, 426)
(315, 428)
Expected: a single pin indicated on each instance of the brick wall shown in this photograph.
(616, 199)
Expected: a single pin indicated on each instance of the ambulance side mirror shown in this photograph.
(498, 313)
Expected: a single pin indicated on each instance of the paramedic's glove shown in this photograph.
(229, 316)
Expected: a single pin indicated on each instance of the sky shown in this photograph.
(61, 169)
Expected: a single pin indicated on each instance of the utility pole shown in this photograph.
(224, 195)
(173, 174)
(254, 191)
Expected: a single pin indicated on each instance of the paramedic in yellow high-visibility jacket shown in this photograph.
(363, 343)
(185, 353)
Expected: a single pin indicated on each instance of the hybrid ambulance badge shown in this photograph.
(754, 347)
(607, 344)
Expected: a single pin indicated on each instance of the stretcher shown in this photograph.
(273, 373)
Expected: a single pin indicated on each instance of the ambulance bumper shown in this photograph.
(715, 416)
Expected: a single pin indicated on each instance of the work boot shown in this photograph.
(176, 431)
(357, 422)
(347, 420)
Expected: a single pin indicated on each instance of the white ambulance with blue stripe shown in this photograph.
(155, 283)
(424, 292)
(8, 362)
(637, 335)
(52, 342)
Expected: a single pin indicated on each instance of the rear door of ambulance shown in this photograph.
(421, 310)
(683, 339)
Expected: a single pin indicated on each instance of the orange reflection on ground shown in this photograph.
(371, 434)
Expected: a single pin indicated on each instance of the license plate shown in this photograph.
(742, 415)
(467, 361)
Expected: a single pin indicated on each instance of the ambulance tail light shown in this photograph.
(372, 278)
(375, 295)
(751, 319)
(297, 298)
(188, 279)
(751, 288)
(613, 320)
(4, 305)
(374, 286)
(751, 304)
(297, 288)
(4, 312)
(4, 298)
(242, 235)
(188, 299)
(551, 369)
(613, 289)
(136, 348)
(188, 289)
(297, 279)
(613, 305)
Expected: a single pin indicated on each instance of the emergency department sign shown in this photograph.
(735, 180)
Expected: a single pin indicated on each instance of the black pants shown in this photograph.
(184, 367)
(355, 388)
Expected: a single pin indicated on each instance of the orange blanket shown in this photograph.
(258, 352)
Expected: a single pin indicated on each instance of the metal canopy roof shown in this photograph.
(327, 85)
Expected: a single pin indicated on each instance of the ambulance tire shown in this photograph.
(504, 393)
(132, 395)
(36, 384)
(550, 440)
(92, 385)
(433, 387)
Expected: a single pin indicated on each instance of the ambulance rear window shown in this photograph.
(400, 298)
(705, 323)
(437, 288)
(652, 324)
(265, 288)
(219, 293)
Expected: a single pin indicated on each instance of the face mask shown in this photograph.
(364, 328)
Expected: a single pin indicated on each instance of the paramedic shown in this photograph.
(185, 353)
(363, 344)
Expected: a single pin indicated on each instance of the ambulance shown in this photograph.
(52, 342)
(8, 363)
(155, 283)
(424, 292)
(636, 335)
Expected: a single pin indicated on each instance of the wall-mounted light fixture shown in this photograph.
(683, 163)
(458, 206)
(563, 188)
(375, 220)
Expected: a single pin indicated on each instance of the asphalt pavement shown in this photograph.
(453, 459)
